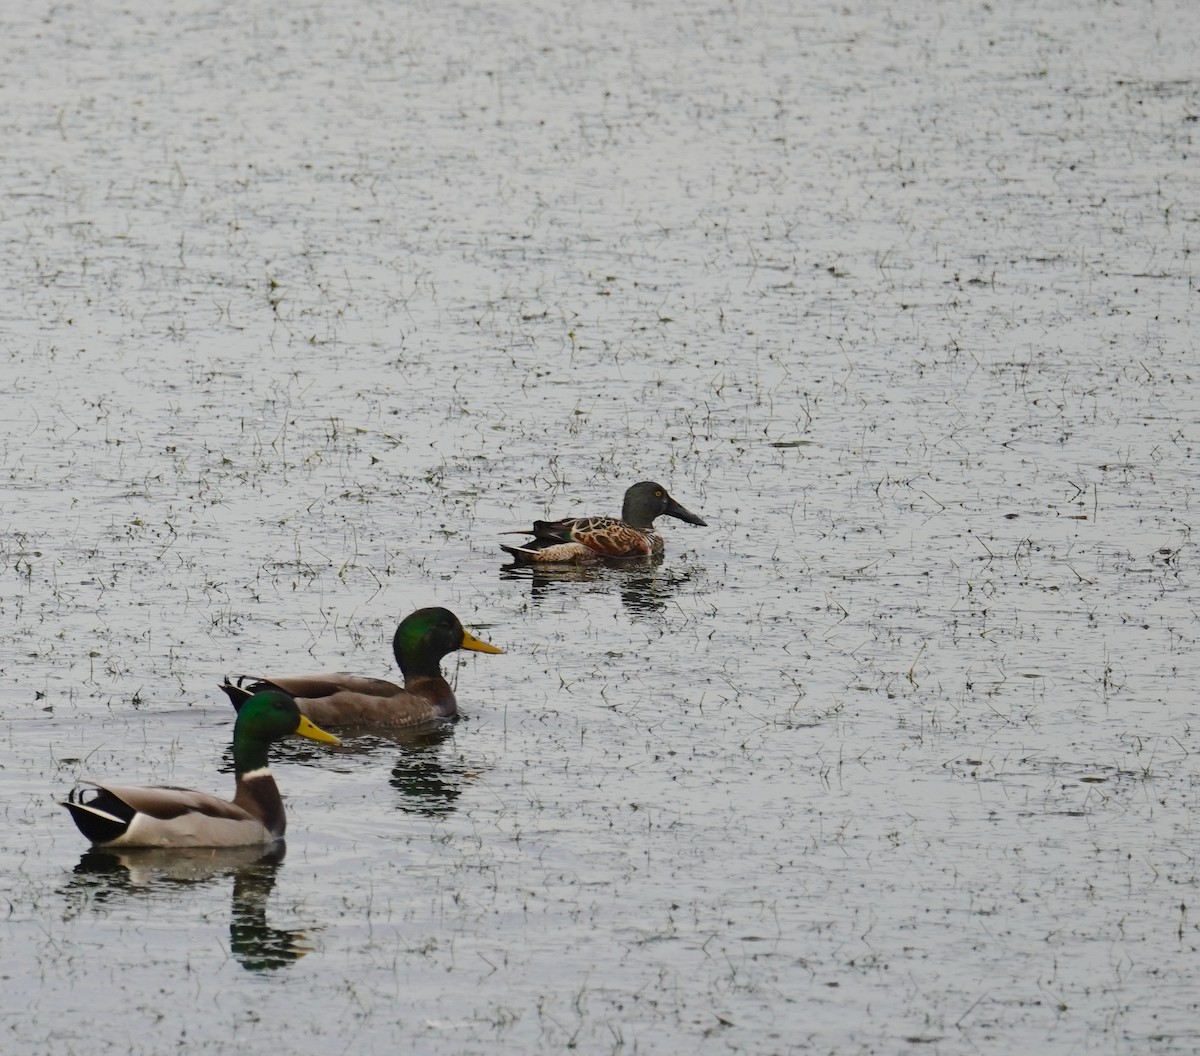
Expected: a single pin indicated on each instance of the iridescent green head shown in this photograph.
(423, 638)
(267, 716)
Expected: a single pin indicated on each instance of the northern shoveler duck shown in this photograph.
(421, 641)
(165, 816)
(579, 539)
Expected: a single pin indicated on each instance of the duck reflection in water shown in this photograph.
(427, 787)
(427, 772)
(102, 876)
(644, 586)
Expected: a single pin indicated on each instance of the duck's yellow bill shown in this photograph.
(478, 645)
(313, 732)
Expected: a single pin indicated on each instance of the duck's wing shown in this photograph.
(551, 553)
(307, 687)
(602, 536)
(575, 540)
(352, 707)
(343, 699)
(161, 816)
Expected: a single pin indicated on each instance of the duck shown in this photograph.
(342, 699)
(167, 816)
(580, 540)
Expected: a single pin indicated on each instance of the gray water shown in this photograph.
(307, 303)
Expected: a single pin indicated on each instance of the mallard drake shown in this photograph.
(574, 540)
(421, 641)
(166, 816)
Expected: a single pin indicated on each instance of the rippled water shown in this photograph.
(307, 303)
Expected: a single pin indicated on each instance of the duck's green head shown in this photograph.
(423, 638)
(646, 500)
(267, 716)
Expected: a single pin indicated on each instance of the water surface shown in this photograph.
(306, 304)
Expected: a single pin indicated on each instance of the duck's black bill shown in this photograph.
(675, 510)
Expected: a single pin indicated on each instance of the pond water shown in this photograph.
(308, 303)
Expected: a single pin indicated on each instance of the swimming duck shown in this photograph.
(421, 640)
(574, 540)
(166, 816)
